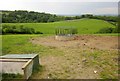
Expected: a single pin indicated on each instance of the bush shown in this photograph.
(38, 32)
(116, 30)
(106, 30)
(12, 29)
(26, 30)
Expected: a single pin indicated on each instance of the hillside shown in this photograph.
(84, 26)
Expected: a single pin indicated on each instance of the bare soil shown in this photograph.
(76, 61)
(91, 41)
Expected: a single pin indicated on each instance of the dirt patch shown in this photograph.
(81, 59)
(86, 41)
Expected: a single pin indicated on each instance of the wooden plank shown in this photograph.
(27, 69)
(26, 64)
(19, 56)
(13, 60)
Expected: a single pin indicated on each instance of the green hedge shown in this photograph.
(109, 30)
(12, 29)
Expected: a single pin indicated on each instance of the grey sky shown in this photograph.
(63, 7)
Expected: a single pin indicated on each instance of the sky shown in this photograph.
(63, 7)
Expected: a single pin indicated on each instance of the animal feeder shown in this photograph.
(23, 64)
(65, 33)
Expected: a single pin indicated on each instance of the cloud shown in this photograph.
(69, 8)
(107, 10)
(60, 0)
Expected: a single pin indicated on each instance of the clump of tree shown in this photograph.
(106, 18)
(13, 29)
(87, 16)
(66, 31)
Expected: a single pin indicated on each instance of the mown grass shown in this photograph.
(20, 44)
(84, 26)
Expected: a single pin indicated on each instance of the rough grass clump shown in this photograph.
(11, 76)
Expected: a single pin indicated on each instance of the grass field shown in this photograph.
(19, 44)
(84, 26)
(75, 59)
(54, 59)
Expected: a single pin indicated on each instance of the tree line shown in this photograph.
(22, 16)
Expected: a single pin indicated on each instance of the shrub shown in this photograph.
(38, 32)
(12, 29)
(26, 30)
(116, 30)
(106, 30)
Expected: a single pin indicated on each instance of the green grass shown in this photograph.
(11, 76)
(84, 26)
(104, 61)
(0, 44)
(20, 44)
(110, 34)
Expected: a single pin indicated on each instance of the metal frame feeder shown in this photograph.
(65, 33)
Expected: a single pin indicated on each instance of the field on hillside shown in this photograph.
(88, 57)
(84, 26)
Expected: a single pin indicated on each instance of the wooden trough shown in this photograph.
(23, 64)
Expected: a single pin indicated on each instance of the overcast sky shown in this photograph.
(63, 7)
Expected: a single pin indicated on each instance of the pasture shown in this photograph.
(62, 60)
(84, 26)
(90, 56)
